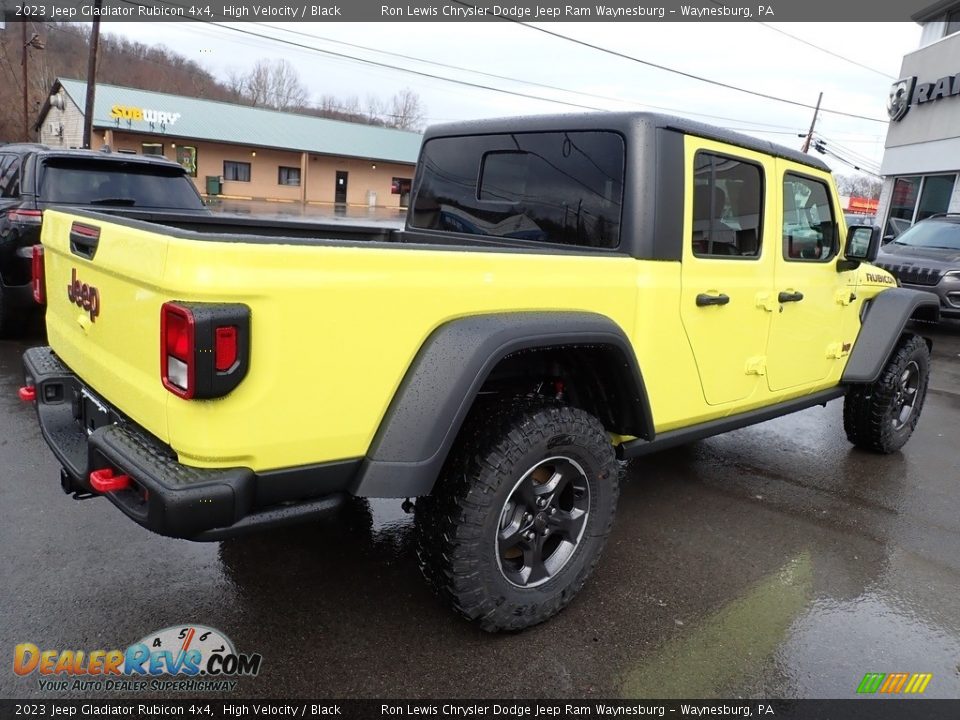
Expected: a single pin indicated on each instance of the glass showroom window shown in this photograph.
(917, 197)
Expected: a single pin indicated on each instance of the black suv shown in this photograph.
(36, 177)
(927, 257)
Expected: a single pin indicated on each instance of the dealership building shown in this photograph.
(921, 158)
(237, 151)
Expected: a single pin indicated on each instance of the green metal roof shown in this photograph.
(243, 125)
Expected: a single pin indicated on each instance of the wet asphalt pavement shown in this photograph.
(774, 561)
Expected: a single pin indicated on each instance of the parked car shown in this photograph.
(927, 257)
(36, 177)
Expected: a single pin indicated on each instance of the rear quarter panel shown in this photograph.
(334, 328)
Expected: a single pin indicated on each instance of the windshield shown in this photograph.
(141, 185)
(933, 234)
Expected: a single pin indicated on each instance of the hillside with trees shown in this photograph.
(61, 50)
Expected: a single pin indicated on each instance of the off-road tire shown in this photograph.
(870, 411)
(458, 525)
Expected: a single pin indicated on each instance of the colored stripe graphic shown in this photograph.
(894, 683)
(871, 682)
(919, 681)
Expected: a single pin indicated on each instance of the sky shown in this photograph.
(772, 58)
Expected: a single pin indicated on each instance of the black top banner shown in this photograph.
(732, 709)
(858, 11)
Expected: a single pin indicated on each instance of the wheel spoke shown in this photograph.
(534, 568)
(568, 524)
(556, 483)
(526, 495)
(510, 536)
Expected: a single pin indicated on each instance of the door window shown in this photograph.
(727, 197)
(809, 227)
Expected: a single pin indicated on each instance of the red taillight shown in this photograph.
(225, 348)
(37, 280)
(33, 217)
(204, 348)
(177, 359)
(28, 393)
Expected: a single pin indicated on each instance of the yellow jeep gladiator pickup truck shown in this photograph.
(568, 291)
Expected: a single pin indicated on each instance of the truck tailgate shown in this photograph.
(103, 310)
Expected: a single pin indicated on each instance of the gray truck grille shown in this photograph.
(912, 275)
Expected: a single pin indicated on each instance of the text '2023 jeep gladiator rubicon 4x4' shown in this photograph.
(568, 291)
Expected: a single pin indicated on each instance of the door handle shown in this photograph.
(786, 297)
(703, 299)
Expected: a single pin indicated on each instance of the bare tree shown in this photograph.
(272, 83)
(407, 110)
(859, 186)
(236, 83)
(375, 109)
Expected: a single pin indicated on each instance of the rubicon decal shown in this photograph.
(84, 296)
(180, 650)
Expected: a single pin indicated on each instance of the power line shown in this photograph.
(822, 49)
(847, 151)
(821, 147)
(665, 68)
(514, 79)
(815, 47)
(375, 63)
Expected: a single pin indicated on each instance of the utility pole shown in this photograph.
(91, 74)
(806, 142)
(23, 66)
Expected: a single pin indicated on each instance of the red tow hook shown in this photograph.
(28, 393)
(104, 481)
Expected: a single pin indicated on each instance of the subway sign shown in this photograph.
(131, 112)
(906, 92)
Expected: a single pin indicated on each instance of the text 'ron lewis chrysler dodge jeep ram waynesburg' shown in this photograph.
(568, 291)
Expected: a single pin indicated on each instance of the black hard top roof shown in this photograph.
(623, 122)
(46, 151)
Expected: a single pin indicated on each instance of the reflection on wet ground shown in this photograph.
(773, 561)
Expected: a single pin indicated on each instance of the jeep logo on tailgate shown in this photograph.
(84, 296)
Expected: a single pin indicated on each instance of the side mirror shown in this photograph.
(863, 244)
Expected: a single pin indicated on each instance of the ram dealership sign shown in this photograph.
(907, 91)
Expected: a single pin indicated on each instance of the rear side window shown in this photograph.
(727, 202)
(9, 176)
(118, 184)
(809, 229)
(556, 187)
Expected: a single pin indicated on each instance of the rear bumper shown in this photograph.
(164, 495)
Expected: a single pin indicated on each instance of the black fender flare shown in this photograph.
(442, 382)
(882, 326)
